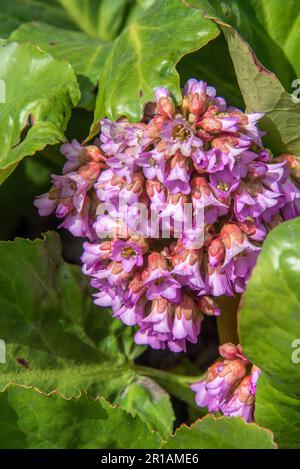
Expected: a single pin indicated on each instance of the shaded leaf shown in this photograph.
(213, 64)
(49, 322)
(40, 92)
(268, 325)
(58, 340)
(15, 12)
(147, 399)
(103, 19)
(31, 420)
(271, 27)
(220, 433)
(261, 89)
(263, 92)
(175, 384)
(144, 56)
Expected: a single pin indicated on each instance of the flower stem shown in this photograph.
(227, 322)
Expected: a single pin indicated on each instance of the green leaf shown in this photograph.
(58, 340)
(268, 325)
(220, 433)
(31, 420)
(263, 92)
(147, 399)
(56, 337)
(103, 19)
(261, 89)
(40, 92)
(144, 57)
(81, 51)
(84, 53)
(176, 384)
(15, 12)
(271, 27)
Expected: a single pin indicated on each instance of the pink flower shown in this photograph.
(128, 253)
(227, 388)
(200, 172)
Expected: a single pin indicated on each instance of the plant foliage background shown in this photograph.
(73, 377)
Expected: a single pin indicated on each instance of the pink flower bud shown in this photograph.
(164, 104)
(208, 306)
(216, 252)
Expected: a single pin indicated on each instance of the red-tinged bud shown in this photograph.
(198, 104)
(90, 171)
(183, 254)
(161, 305)
(117, 273)
(195, 100)
(231, 352)
(164, 104)
(188, 309)
(141, 242)
(137, 184)
(156, 261)
(133, 190)
(240, 116)
(153, 186)
(244, 391)
(248, 227)
(200, 187)
(206, 138)
(93, 153)
(105, 249)
(117, 181)
(154, 127)
(208, 306)
(234, 370)
(230, 233)
(137, 285)
(241, 403)
(166, 108)
(175, 199)
(225, 143)
(216, 252)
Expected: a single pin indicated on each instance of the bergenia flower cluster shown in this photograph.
(174, 209)
(230, 385)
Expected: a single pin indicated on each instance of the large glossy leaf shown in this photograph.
(81, 51)
(84, 53)
(272, 28)
(31, 420)
(102, 19)
(58, 340)
(220, 433)
(144, 56)
(40, 92)
(261, 89)
(269, 325)
(263, 92)
(15, 12)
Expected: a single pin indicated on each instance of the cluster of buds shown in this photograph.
(230, 385)
(174, 209)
